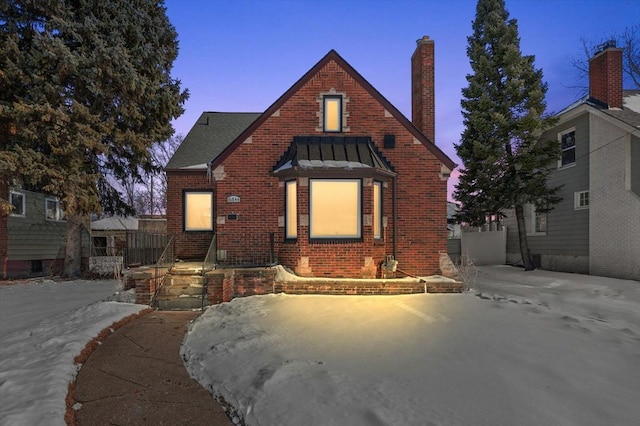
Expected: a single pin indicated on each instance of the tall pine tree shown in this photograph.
(503, 106)
(85, 90)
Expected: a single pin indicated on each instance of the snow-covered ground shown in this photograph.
(525, 348)
(521, 348)
(43, 326)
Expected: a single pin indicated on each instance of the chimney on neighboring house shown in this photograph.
(605, 75)
(423, 112)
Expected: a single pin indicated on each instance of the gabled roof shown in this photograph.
(629, 114)
(212, 133)
(333, 56)
(331, 153)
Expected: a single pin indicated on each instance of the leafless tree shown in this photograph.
(628, 40)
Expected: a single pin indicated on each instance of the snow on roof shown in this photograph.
(115, 223)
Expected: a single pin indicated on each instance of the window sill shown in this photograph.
(567, 166)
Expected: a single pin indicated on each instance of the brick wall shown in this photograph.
(605, 77)
(421, 207)
(193, 244)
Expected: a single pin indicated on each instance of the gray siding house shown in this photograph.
(595, 229)
(32, 235)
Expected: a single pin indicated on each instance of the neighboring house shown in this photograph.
(140, 240)
(596, 227)
(328, 181)
(32, 236)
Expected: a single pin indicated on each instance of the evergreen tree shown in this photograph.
(85, 91)
(503, 106)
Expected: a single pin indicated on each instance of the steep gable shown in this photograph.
(335, 57)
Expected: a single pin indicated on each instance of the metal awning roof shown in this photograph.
(333, 153)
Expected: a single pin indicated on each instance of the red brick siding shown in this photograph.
(188, 245)
(421, 192)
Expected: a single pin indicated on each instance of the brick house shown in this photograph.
(595, 229)
(329, 181)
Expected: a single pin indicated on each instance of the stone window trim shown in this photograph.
(344, 107)
(18, 200)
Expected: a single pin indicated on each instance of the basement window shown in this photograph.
(198, 208)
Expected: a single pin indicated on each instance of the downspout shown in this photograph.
(395, 218)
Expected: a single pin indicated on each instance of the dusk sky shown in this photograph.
(240, 56)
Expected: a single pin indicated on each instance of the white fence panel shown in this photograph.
(485, 248)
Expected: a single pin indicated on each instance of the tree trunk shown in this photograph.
(527, 261)
(73, 251)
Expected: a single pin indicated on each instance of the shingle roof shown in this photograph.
(629, 114)
(331, 152)
(211, 134)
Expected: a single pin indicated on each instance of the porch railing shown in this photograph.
(163, 266)
(209, 262)
(241, 250)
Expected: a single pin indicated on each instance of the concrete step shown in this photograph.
(178, 290)
(184, 280)
(180, 303)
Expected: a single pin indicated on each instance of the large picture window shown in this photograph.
(377, 210)
(291, 220)
(335, 208)
(198, 211)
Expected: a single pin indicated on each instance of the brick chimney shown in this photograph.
(605, 76)
(423, 112)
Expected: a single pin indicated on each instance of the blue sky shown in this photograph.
(242, 55)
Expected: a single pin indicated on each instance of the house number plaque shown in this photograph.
(233, 199)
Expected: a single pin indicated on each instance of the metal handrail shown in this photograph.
(166, 261)
(210, 259)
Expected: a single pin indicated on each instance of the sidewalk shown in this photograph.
(136, 377)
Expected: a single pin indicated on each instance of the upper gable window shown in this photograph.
(332, 109)
(568, 146)
(18, 201)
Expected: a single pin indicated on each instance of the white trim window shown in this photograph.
(567, 141)
(19, 202)
(335, 208)
(198, 210)
(581, 200)
(535, 221)
(291, 208)
(53, 209)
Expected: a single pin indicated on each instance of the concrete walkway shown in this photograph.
(137, 377)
